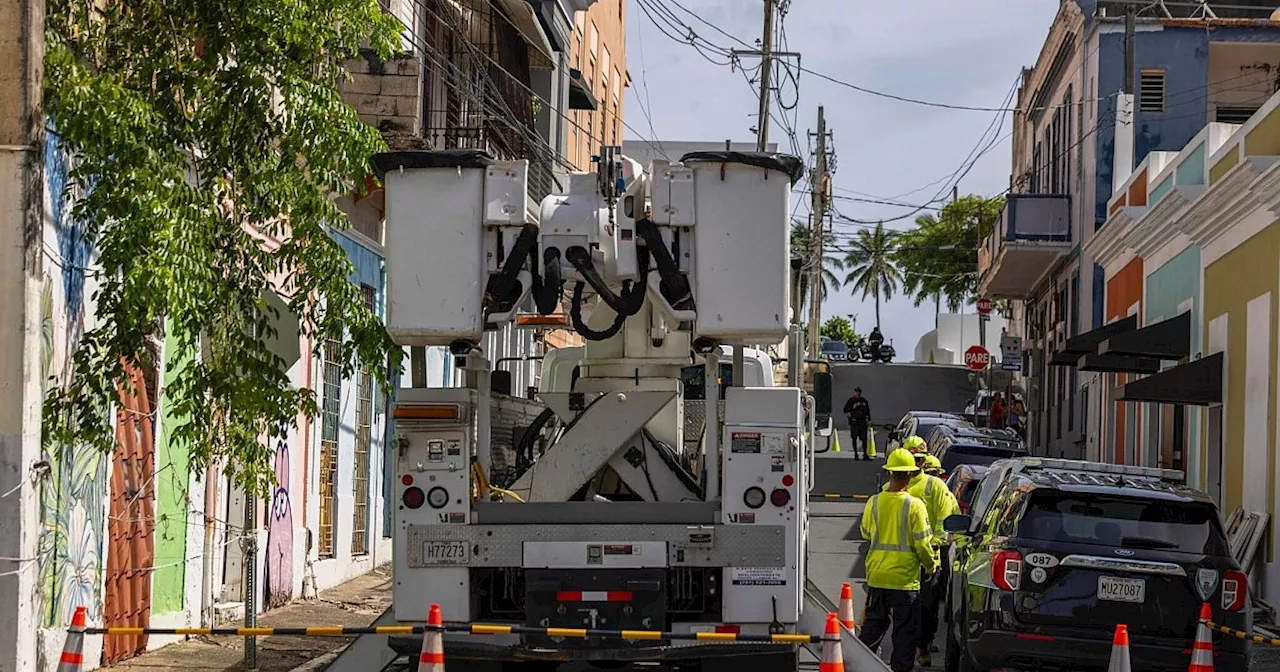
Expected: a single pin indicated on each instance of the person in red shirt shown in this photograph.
(996, 416)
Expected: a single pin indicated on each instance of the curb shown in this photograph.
(319, 663)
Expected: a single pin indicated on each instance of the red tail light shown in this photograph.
(1235, 591)
(1006, 570)
(726, 629)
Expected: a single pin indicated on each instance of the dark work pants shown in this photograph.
(858, 434)
(896, 607)
(931, 598)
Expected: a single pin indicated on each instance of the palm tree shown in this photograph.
(801, 246)
(873, 270)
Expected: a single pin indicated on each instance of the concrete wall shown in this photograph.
(894, 389)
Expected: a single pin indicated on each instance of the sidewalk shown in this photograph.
(355, 603)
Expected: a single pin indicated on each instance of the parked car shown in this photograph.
(963, 483)
(836, 351)
(921, 424)
(1054, 553)
(955, 446)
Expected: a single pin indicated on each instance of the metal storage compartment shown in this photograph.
(742, 240)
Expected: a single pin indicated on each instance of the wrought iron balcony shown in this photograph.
(1033, 232)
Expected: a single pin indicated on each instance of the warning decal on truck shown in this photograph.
(758, 576)
(744, 442)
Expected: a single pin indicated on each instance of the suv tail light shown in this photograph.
(1006, 570)
(1235, 591)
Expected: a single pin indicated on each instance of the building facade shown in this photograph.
(1067, 157)
(1193, 377)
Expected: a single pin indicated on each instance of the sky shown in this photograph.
(955, 53)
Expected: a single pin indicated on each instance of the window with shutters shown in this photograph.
(1151, 90)
(331, 382)
(364, 439)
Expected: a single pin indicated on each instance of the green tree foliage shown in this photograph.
(196, 128)
(838, 328)
(939, 258)
(802, 246)
(870, 259)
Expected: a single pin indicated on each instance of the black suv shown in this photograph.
(955, 446)
(1058, 552)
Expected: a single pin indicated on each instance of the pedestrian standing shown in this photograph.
(858, 411)
(934, 589)
(897, 525)
(995, 417)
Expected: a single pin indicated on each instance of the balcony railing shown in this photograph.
(1033, 231)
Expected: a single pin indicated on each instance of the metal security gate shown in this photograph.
(131, 522)
(329, 419)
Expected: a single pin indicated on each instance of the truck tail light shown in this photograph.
(413, 498)
(780, 497)
(1235, 590)
(1006, 570)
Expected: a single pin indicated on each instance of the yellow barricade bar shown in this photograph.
(1240, 634)
(471, 628)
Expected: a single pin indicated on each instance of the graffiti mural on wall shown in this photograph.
(279, 560)
(72, 498)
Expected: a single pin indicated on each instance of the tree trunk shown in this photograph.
(877, 307)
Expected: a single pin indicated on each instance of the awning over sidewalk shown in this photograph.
(1096, 363)
(1087, 343)
(1169, 340)
(1196, 383)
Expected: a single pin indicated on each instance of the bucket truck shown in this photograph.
(614, 518)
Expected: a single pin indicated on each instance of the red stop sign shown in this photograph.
(985, 305)
(977, 358)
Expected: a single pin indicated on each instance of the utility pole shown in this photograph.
(766, 79)
(818, 189)
(21, 265)
(1130, 12)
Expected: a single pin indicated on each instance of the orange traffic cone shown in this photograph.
(846, 607)
(73, 651)
(832, 655)
(1202, 649)
(1120, 650)
(432, 658)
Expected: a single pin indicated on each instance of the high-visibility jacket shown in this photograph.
(897, 525)
(938, 502)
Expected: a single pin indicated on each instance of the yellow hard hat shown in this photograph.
(914, 444)
(932, 462)
(900, 460)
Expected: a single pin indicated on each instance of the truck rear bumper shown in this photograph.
(475, 648)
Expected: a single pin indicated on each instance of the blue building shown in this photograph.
(1191, 67)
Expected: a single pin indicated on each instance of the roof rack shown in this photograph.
(1170, 475)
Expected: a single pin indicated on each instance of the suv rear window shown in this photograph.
(976, 454)
(1130, 522)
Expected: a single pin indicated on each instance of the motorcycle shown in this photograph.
(885, 353)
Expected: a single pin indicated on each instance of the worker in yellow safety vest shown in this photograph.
(944, 505)
(901, 552)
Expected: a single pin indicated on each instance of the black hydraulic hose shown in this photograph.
(581, 260)
(580, 325)
(546, 288)
(504, 285)
(677, 286)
